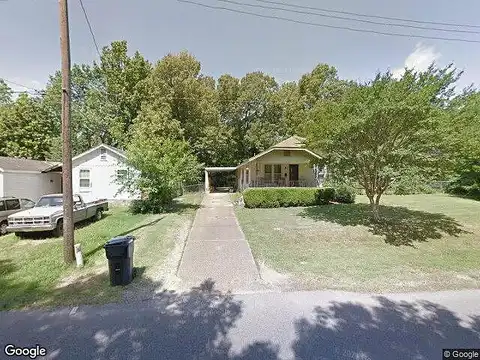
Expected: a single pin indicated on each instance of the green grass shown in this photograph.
(424, 242)
(32, 272)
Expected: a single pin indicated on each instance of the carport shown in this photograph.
(209, 170)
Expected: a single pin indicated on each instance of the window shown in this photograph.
(85, 178)
(277, 172)
(268, 172)
(122, 174)
(27, 203)
(286, 152)
(13, 204)
(247, 175)
(103, 154)
(2, 205)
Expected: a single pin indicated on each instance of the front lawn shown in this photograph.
(32, 272)
(425, 242)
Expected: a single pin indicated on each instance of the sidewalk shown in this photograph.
(216, 249)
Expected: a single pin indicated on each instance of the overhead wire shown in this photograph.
(274, 17)
(349, 18)
(367, 15)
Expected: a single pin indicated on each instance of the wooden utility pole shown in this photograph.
(68, 235)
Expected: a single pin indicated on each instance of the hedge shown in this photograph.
(285, 197)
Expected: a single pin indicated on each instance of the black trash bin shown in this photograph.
(119, 252)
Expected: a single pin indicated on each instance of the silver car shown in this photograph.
(11, 205)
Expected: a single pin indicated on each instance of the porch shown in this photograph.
(262, 174)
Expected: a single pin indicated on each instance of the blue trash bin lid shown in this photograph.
(119, 240)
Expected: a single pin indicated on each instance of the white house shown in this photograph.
(95, 173)
(28, 179)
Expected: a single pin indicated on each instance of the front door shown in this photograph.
(293, 178)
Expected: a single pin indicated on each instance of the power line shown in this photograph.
(90, 28)
(349, 18)
(17, 84)
(369, 16)
(327, 26)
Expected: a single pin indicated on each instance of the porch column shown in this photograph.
(207, 183)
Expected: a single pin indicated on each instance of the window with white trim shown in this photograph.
(84, 177)
(103, 154)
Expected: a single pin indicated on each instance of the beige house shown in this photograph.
(286, 164)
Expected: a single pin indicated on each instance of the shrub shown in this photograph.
(344, 194)
(323, 196)
(472, 192)
(286, 197)
(146, 206)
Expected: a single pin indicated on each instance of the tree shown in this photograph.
(177, 81)
(377, 131)
(5, 93)
(120, 91)
(162, 159)
(25, 130)
(462, 132)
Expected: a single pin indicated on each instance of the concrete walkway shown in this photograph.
(216, 249)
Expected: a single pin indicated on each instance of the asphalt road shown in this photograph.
(203, 324)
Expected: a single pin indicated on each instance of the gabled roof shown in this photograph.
(119, 152)
(20, 164)
(292, 143)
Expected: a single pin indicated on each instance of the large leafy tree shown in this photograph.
(162, 159)
(119, 95)
(176, 80)
(462, 133)
(25, 129)
(377, 131)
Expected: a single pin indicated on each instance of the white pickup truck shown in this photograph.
(47, 214)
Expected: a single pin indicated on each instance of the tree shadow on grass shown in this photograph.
(399, 225)
(180, 207)
(394, 330)
(170, 325)
(92, 252)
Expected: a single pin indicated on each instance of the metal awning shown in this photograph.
(221, 168)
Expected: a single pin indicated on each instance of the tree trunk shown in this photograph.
(376, 207)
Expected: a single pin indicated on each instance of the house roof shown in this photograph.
(119, 152)
(20, 164)
(292, 143)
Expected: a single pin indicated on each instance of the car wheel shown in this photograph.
(98, 214)
(59, 229)
(3, 228)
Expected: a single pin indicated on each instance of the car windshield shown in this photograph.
(50, 201)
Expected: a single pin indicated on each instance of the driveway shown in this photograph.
(216, 249)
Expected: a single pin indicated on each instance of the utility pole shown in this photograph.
(68, 235)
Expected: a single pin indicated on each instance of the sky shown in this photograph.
(227, 42)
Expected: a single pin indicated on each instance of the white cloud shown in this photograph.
(420, 59)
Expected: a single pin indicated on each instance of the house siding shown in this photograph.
(30, 185)
(1, 185)
(102, 176)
